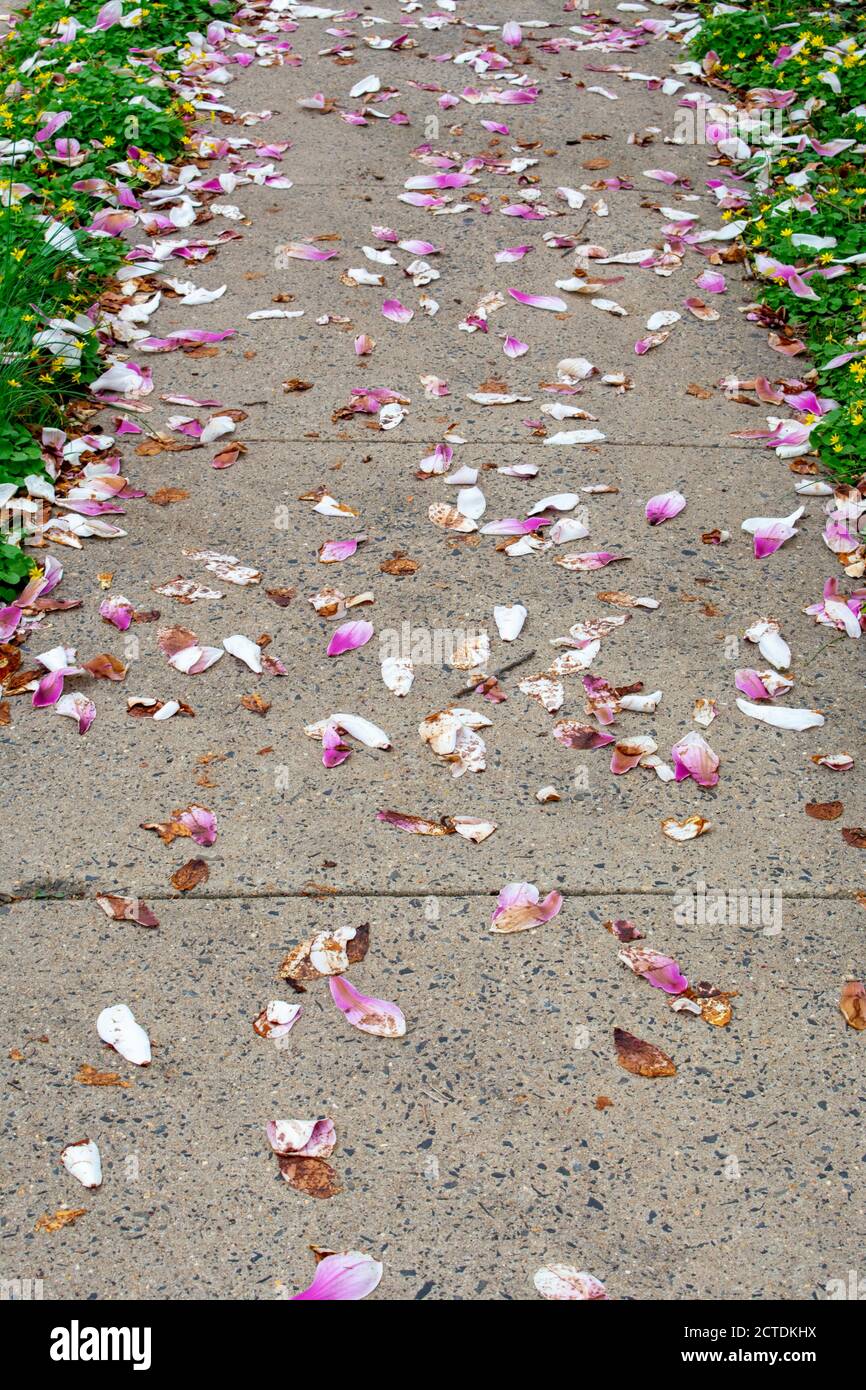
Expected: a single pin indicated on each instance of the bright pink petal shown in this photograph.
(201, 824)
(540, 301)
(348, 636)
(693, 757)
(513, 347)
(663, 507)
(366, 1013)
(712, 281)
(395, 311)
(334, 750)
(9, 619)
(346, 1277)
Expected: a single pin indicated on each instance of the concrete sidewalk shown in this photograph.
(472, 1151)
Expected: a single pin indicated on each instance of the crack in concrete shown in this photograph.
(497, 442)
(53, 893)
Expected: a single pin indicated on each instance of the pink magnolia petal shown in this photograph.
(304, 1138)
(301, 251)
(349, 636)
(563, 1282)
(117, 611)
(712, 281)
(664, 506)
(540, 301)
(395, 311)
(768, 539)
(693, 757)
(346, 1277)
(518, 908)
(201, 824)
(49, 689)
(331, 552)
(751, 684)
(334, 750)
(9, 619)
(661, 971)
(77, 706)
(513, 347)
(366, 1013)
(588, 560)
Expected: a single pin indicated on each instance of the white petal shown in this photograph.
(250, 653)
(781, 717)
(83, 1162)
(117, 1027)
(509, 621)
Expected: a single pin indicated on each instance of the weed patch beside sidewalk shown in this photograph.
(89, 109)
(805, 63)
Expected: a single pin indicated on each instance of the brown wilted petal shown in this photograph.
(312, 1176)
(852, 1002)
(624, 930)
(416, 825)
(326, 953)
(824, 810)
(105, 667)
(127, 910)
(639, 1057)
(855, 835)
(190, 875)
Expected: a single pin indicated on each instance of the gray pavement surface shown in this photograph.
(472, 1151)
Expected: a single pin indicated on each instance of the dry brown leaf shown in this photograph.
(89, 1076)
(256, 704)
(855, 835)
(190, 875)
(639, 1057)
(55, 1221)
(852, 1002)
(824, 810)
(281, 597)
(399, 564)
(164, 496)
(16, 684)
(295, 383)
(10, 660)
(312, 1176)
